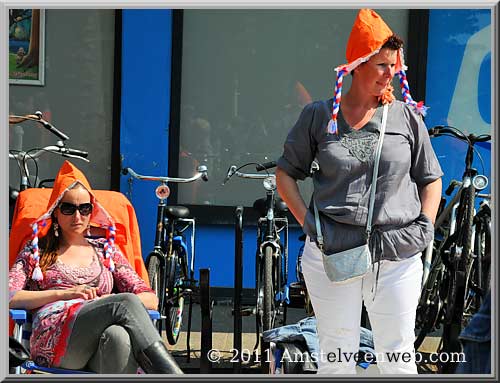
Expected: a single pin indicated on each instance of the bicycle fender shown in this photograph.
(276, 247)
(158, 254)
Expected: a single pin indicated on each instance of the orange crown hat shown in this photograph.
(369, 33)
(67, 177)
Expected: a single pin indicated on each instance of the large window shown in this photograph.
(77, 96)
(246, 75)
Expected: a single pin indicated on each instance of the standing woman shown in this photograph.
(69, 281)
(342, 138)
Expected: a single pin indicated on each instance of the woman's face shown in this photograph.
(377, 73)
(75, 223)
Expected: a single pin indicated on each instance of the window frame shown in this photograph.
(416, 52)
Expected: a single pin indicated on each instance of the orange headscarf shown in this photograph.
(34, 205)
(369, 33)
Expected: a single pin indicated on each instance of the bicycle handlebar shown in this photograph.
(471, 138)
(265, 166)
(257, 176)
(202, 173)
(62, 150)
(37, 117)
(453, 184)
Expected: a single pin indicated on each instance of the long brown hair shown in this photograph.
(49, 245)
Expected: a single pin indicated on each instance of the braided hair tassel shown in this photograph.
(332, 124)
(419, 107)
(108, 246)
(37, 274)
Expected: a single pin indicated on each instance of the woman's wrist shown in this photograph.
(58, 295)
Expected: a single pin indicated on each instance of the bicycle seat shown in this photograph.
(279, 206)
(176, 211)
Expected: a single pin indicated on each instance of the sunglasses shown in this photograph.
(67, 208)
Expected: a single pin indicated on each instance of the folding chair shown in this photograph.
(32, 203)
(22, 333)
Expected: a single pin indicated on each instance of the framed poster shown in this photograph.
(27, 46)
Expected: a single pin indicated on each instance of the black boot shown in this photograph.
(156, 359)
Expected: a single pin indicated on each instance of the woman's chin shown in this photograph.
(77, 229)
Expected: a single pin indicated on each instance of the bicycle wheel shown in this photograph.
(479, 275)
(267, 280)
(155, 280)
(472, 300)
(174, 306)
(430, 303)
(465, 224)
(459, 275)
(280, 283)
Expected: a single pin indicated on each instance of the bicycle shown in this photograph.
(271, 261)
(23, 157)
(299, 288)
(170, 268)
(445, 289)
(480, 268)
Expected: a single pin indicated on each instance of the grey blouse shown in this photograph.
(342, 185)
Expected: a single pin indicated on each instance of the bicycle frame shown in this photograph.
(274, 240)
(451, 257)
(271, 238)
(270, 274)
(167, 239)
(170, 252)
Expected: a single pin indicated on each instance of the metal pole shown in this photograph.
(206, 321)
(238, 286)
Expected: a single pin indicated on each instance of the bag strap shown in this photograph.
(319, 234)
(371, 202)
(375, 173)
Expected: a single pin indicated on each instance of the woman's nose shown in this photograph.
(77, 216)
(389, 71)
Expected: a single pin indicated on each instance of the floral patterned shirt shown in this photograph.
(53, 322)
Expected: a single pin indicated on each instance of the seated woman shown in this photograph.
(68, 282)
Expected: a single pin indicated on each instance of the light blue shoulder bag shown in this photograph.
(353, 263)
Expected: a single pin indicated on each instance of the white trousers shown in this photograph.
(391, 308)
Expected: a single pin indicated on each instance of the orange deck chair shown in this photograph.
(31, 203)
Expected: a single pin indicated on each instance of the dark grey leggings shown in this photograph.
(108, 333)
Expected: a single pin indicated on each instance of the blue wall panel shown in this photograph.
(215, 250)
(145, 108)
(458, 89)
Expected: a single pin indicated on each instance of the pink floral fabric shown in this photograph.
(52, 323)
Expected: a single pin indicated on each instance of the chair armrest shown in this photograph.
(154, 315)
(18, 315)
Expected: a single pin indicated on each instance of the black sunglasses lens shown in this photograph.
(85, 208)
(69, 209)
